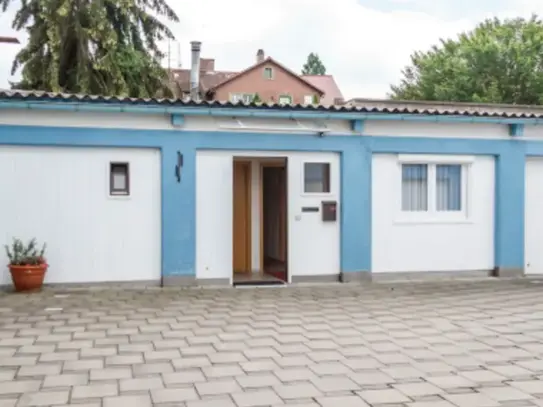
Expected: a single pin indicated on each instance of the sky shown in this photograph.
(365, 44)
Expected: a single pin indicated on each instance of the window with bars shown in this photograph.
(433, 187)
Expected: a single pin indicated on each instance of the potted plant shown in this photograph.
(27, 264)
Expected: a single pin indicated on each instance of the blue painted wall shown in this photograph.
(178, 199)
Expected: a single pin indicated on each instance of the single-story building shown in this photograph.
(183, 192)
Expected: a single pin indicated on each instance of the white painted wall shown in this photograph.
(429, 129)
(401, 245)
(61, 196)
(207, 123)
(533, 225)
(313, 246)
(17, 117)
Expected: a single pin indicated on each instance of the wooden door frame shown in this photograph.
(264, 164)
(248, 202)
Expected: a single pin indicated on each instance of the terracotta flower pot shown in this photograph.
(28, 278)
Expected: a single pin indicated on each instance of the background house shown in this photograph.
(267, 80)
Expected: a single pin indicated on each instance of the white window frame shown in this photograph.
(264, 73)
(241, 97)
(432, 215)
(310, 98)
(284, 96)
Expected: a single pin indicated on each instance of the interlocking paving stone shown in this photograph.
(20, 386)
(341, 401)
(471, 400)
(44, 398)
(217, 387)
(128, 401)
(173, 395)
(461, 343)
(66, 380)
(297, 391)
(258, 398)
(94, 390)
(384, 396)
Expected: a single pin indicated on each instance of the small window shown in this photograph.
(414, 187)
(241, 97)
(449, 187)
(316, 178)
(268, 73)
(308, 99)
(285, 100)
(119, 181)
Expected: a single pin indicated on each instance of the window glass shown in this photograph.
(317, 177)
(448, 187)
(268, 73)
(119, 179)
(414, 187)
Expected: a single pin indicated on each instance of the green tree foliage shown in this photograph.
(314, 65)
(497, 62)
(256, 98)
(107, 47)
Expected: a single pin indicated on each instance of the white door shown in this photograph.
(533, 225)
(313, 245)
(62, 196)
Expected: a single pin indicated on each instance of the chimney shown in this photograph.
(195, 47)
(207, 64)
(260, 56)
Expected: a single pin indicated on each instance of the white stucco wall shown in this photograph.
(400, 244)
(61, 196)
(313, 246)
(429, 129)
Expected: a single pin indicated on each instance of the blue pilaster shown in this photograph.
(356, 209)
(509, 207)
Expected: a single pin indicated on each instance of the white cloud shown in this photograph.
(364, 48)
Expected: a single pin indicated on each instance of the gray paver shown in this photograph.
(429, 344)
(44, 398)
(384, 396)
(132, 401)
(94, 390)
(258, 398)
(173, 395)
(342, 401)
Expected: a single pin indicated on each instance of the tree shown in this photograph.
(107, 47)
(497, 62)
(314, 65)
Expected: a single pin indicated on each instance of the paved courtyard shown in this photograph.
(426, 344)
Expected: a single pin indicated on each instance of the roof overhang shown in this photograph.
(286, 112)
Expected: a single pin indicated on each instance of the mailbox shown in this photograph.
(329, 211)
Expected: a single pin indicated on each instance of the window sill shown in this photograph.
(434, 221)
(119, 197)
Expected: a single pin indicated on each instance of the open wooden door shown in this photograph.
(242, 217)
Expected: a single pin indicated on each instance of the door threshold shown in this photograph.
(264, 283)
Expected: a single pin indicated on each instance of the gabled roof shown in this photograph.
(259, 64)
(328, 84)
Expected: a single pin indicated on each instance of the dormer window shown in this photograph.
(268, 73)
